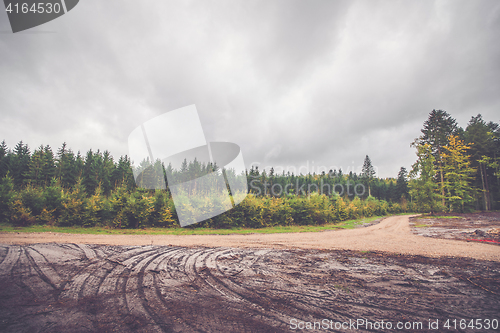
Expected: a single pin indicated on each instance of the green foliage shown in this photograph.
(458, 175)
(73, 206)
(20, 214)
(423, 189)
(53, 195)
(6, 197)
(69, 190)
(161, 216)
(33, 199)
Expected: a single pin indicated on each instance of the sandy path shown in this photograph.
(392, 235)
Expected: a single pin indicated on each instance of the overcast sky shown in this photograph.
(293, 83)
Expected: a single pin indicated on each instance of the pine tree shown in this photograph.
(90, 176)
(402, 184)
(66, 169)
(20, 164)
(437, 128)
(49, 167)
(34, 175)
(367, 173)
(4, 159)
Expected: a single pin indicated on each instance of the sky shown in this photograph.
(298, 85)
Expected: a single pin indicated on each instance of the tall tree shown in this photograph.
(458, 174)
(106, 172)
(402, 184)
(34, 175)
(367, 173)
(481, 138)
(437, 128)
(4, 159)
(90, 176)
(423, 189)
(66, 171)
(49, 168)
(20, 163)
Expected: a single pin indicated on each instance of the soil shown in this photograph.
(248, 283)
(474, 227)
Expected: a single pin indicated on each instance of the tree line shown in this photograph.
(456, 170)
(68, 189)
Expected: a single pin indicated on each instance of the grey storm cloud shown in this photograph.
(293, 83)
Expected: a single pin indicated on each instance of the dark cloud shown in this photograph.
(294, 83)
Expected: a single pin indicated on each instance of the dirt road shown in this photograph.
(392, 235)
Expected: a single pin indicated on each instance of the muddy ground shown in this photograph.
(98, 288)
(474, 227)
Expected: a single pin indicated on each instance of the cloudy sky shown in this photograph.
(293, 83)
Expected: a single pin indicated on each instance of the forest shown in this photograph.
(457, 170)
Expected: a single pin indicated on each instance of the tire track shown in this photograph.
(240, 294)
(167, 289)
(44, 268)
(93, 277)
(10, 260)
(137, 301)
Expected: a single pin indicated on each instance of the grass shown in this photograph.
(421, 225)
(350, 224)
(341, 287)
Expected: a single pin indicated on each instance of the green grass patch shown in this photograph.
(341, 287)
(350, 224)
(421, 225)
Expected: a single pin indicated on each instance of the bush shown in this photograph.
(341, 212)
(73, 206)
(33, 199)
(21, 215)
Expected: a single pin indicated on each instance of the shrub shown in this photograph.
(21, 215)
(33, 199)
(73, 206)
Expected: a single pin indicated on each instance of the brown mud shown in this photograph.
(473, 227)
(68, 287)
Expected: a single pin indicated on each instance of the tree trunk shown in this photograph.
(485, 194)
(488, 194)
(442, 177)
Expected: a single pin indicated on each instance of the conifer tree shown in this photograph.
(34, 175)
(20, 164)
(4, 159)
(402, 184)
(49, 167)
(367, 173)
(437, 128)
